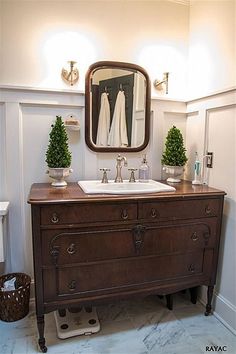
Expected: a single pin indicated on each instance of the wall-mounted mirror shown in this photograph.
(117, 107)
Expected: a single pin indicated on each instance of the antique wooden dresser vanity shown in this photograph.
(91, 248)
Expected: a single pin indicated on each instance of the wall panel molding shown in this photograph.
(42, 97)
(227, 91)
(13, 105)
(208, 111)
(220, 106)
(2, 151)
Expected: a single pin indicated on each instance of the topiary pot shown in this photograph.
(59, 174)
(174, 173)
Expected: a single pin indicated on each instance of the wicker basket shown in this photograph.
(14, 304)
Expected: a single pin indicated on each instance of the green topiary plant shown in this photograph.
(174, 154)
(58, 154)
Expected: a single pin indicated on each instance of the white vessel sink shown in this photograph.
(92, 187)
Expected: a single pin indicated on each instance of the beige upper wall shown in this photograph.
(212, 46)
(39, 36)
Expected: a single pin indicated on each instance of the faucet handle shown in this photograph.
(104, 176)
(132, 177)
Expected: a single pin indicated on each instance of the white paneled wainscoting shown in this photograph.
(211, 127)
(207, 124)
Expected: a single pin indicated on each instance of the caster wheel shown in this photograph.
(44, 349)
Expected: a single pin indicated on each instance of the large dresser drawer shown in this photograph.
(127, 273)
(179, 238)
(86, 213)
(67, 247)
(95, 244)
(179, 209)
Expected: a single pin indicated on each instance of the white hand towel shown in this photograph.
(103, 121)
(118, 132)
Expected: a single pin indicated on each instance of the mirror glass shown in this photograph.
(117, 107)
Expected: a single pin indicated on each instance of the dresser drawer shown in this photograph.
(106, 276)
(85, 213)
(179, 238)
(179, 209)
(96, 244)
(66, 247)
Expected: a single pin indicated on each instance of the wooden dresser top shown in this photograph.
(44, 193)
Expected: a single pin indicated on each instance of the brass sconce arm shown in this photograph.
(158, 83)
(70, 76)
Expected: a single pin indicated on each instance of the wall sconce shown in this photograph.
(158, 84)
(70, 76)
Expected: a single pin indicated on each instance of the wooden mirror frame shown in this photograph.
(88, 81)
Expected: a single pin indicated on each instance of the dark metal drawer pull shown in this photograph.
(55, 219)
(71, 249)
(208, 210)
(191, 268)
(124, 214)
(72, 285)
(194, 236)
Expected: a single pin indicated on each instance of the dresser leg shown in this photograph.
(169, 301)
(62, 312)
(41, 341)
(209, 299)
(193, 294)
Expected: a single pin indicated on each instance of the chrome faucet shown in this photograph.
(119, 160)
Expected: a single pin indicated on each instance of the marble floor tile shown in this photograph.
(118, 338)
(207, 327)
(144, 305)
(137, 326)
(162, 332)
(116, 311)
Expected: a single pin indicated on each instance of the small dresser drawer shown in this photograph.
(179, 209)
(127, 273)
(86, 213)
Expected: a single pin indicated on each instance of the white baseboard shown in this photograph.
(223, 310)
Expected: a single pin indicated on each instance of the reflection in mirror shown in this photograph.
(117, 107)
